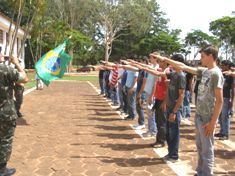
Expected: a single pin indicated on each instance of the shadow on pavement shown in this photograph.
(118, 147)
(113, 128)
(127, 162)
(21, 121)
(134, 162)
(224, 154)
(118, 136)
(228, 173)
(104, 120)
(126, 147)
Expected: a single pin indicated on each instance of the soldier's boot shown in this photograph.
(19, 114)
(7, 171)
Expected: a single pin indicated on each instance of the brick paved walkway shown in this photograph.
(71, 131)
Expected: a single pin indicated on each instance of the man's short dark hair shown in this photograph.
(178, 57)
(233, 64)
(226, 63)
(210, 49)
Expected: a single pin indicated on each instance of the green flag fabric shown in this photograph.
(53, 64)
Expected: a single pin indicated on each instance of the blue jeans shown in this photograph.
(186, 104)
(173, 135)
(120, 95)
(140, 109)
(131, 101)
(113, 94)
(224, 119)
(125, 101)
(152, 127)
(205, 148)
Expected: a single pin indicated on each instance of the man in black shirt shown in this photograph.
(228, 95)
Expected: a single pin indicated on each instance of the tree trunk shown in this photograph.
(70, 67)
(9, 30)
(29, 24)
(106, 52)
(20, 13)
(31, 51)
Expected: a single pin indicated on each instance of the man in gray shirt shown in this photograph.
(209, 105)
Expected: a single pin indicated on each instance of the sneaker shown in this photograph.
(224, 137)
(119, 108)
(124, 115)
(129, 118)
(157, 145)
(148, 134)
(134, 126)
(168, 158)
(139, 127)
(218, 135)
(114, 104)
(7, 171)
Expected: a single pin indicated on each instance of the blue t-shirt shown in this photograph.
(130, 77)
(150, 82)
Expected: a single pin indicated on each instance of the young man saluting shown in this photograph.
(209, 105)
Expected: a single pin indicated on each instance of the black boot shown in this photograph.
(7, 171)
(19, 114)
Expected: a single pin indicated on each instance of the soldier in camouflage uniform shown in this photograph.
(8, 116)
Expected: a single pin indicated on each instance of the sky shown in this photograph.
(195, 14)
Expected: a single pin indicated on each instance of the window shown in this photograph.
(7, 38)
(1, 36)
(17, 45)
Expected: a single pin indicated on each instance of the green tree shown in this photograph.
(23, 12)
(58, 22)
(224, 29)
(140, 37)
(198, 39)
(114, 21)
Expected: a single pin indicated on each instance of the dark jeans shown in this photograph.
(140, 108)
(125, 103)
(173, 135)
(131, 103)
(101, 82)
(113, 94)
(160, 116)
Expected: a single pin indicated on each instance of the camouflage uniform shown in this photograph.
(8, 116)
(19, 90)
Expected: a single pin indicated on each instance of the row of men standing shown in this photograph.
(164, 99)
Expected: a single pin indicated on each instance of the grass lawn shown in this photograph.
(32, 81)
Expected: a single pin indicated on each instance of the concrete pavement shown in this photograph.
(68, 130)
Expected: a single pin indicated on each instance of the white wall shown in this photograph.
(4, 26)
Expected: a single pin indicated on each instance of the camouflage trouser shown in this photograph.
(19, 90)
(7, 129)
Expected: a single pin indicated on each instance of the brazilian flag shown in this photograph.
(53, 64)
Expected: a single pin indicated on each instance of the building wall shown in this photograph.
(4, 27)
